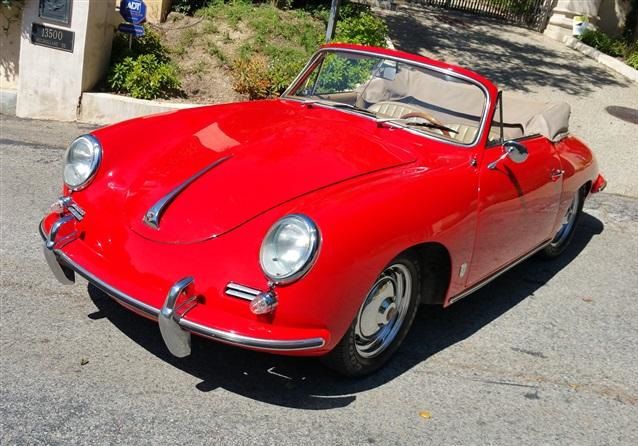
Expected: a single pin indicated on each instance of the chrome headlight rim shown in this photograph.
(95, 163)
(315, 242)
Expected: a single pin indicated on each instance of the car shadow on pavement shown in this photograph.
(514, 58)
(303, 383)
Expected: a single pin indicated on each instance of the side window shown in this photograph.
(496, 127)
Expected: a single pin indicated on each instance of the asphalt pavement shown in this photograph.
(546, 354)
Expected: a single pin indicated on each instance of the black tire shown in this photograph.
(562, 240)
(347, 357)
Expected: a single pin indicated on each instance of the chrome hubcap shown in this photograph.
(568, 222)
(381, 316)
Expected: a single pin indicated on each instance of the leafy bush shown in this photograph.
(251, 77)
(342, 74)
(144, 77)
(364, 28)
(188, 6)
(614, 47)
(603, 42)
(144, 71)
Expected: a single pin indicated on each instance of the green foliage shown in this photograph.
(144, 77)
(614, 47)
(602, 42)
(144, 71)
(188, 6)
(364, 28)
(341, 74)
(251, 77)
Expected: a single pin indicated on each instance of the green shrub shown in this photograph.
(614, 47)
(251, 77)
(144, 77)
(341, 74)
(188, 6)
(602, 42)
(365, 29)
(144, 71)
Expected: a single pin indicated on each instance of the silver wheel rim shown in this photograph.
(382, 313)
(568, 222)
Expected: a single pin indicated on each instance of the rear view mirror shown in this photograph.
(387, 70)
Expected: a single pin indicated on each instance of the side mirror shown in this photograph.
(516, 151)
(513, 150)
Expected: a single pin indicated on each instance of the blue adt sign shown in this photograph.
(129, 28)
(133, 11)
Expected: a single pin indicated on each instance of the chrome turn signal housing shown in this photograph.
(263, 303)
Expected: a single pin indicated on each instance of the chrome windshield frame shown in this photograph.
(448, 72)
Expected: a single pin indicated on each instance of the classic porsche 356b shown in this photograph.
(317, 223)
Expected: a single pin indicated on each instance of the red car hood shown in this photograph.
(284, 154)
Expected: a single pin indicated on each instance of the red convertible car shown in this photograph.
(317, 223)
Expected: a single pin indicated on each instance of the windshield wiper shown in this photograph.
(340, 105)
(429, 125)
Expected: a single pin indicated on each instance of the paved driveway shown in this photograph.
(528, 62)
(546, 354)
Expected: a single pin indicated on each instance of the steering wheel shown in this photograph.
(428, 117)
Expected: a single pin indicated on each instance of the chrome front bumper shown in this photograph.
(175, 329)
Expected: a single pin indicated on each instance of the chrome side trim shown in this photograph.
(207, 332)
(154, 214)
(241, 291)
(498, 273)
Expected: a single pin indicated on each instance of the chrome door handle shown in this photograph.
(556, 174)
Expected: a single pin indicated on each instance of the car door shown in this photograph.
(517, 204)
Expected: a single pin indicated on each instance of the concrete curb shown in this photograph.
(105, 108)
(602, 58)
(8, 100)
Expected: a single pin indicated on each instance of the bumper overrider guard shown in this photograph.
(175, 328)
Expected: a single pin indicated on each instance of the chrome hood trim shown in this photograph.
(154, 214)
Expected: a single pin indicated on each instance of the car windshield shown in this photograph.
(397, 92)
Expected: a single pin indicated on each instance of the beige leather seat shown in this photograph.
(391, 109)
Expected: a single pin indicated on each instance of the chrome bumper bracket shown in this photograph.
(176, 339)
(65, 276)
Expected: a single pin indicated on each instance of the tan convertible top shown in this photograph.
(550, 119)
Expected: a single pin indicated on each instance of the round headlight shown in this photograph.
(81, 161)
(289, 248)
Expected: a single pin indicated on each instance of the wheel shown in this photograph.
(382, 322)
(566, 231)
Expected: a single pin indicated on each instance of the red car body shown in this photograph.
(374, 191)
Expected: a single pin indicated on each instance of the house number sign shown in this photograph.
(60, 39)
